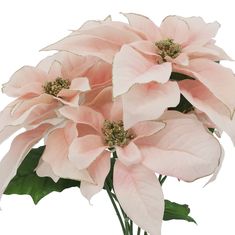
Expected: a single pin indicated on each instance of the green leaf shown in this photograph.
(211, 130)
(28, 182)
(184, 106)
(176, 211)
(179, 77)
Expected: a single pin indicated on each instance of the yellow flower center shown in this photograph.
(115, 134)
(168, 47)
(54, 87)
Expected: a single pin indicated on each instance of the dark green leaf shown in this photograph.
(184, 106)
(179, 77)
(176, 211)
(28, 182)
(211, 130)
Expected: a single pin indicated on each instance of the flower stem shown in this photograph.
(162, 179)
(138, 231)
(131, 227)
(115, 207)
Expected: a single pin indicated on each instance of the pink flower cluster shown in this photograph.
(109, 93)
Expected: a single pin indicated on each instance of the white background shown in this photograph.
(26, 27)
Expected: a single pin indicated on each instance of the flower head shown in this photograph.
(176, 145)
(144, 53)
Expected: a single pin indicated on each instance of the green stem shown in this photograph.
(131, 227)
(162, 179)
(138, 231)
(115, 207)
(127, 226)
(145, 233)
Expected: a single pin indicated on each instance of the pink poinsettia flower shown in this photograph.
(184, 44)
(144, 55)
(176, 145)
(60, 79)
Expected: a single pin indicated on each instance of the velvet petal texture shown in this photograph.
(140, 195)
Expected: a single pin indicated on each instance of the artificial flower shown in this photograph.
(60, 79)
(181, 45)
(176, 145)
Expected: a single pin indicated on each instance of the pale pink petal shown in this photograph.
(146, 128)
(129, 155)
(72, 95)
(203, 118)
(217, 170)
(87, 45)
(182, 59)
(99, 74)
(73, 65)
(55, 70)
(174, 27)
(25, 80)
(27, 112)
(20, 146)
(98, 171)
(222, 54)
(103, 103)
(200, 97)
(80, 84)
(85, 150)
(56, 153)
(34, 112)
(83, 115)
(183, 149)
(6, 114)
(119, 33)
(145, 47)
(130, 67)
(140, 195)
(69, 97)
(145, 25)
(27, 103)
(201, 32)
(7, 131)
(195, 51)
(148, 102)
(218, 79)
(44, 170)
(50, 117)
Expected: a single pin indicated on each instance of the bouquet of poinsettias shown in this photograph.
(120, 107)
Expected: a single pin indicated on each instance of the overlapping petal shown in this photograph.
(131, 68)
(20, 146)
(57, 150)
(83, 151)
(204, 100)
(148, 102)
(138, 185)
(183, 149)
(218, 79)
(98, 171)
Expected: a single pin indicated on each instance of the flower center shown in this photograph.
(168, 47)
(54, 87)
(115, 134)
